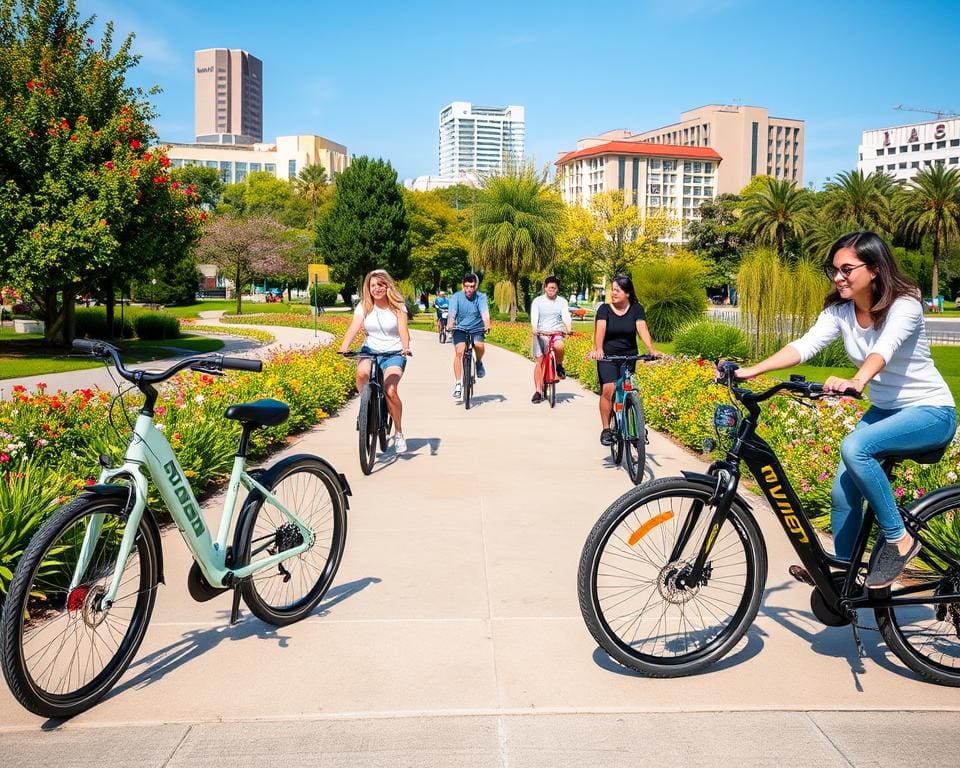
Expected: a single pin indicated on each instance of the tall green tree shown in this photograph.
(439, 246)
(263, 194)
(366, 226)
(516, 220)
(206, 182)
(930, 207)
(864, 200)
(81, 194)
(778, 213)
(718, 237)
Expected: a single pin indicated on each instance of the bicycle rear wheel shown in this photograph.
(367, 426)
(635, 440)
(631, 580)
(467, 379)
(287, 592)
(443, 335)
(927, 637)
(62, 649)
(385, 422)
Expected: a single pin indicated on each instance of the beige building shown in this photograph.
(228, 97)
(750, 141)
(652, 176)
(284, 159)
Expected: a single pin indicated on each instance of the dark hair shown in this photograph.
(626, 285)
(889, 283)
(470, 277)
(551, 279)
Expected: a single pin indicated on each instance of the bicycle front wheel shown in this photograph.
(635, 440)
(288, 591)
(63, 650)
(467, 380)
(551, 394)
(633, 595)
(367, 427)
(927, 637)
(616, 447)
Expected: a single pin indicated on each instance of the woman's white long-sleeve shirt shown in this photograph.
(909, 376)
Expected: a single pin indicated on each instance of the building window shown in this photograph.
(903, 148)
(928, 145)
(903, 165)
(879, 151)
(941, 144)
(291, 169)
(914, 147)
(241, 172)
(891, 150)
(955, 142)
(914, 164)
(226, 171)
(254, 167)
(953, 160)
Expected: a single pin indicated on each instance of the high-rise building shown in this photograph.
(750, 141)
(903, 150)
(480, 139)
(228, 88)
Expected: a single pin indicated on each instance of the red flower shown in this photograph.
(203, 215)
(146, 157)
(134, 144)
(108, 165)
(175, 185)
(73, 138)
(91, 481)
(64, 124)
(30, 85)
(19, 388)
(134, 172)
(4, 458)
(701, 362)
(164, 161)
(159, 179)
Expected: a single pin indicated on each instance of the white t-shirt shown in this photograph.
(909, 376)
(381, 328)
(549, 315)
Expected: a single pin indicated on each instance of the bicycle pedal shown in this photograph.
(801, 574)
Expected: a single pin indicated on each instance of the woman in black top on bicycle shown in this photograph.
(615, 333)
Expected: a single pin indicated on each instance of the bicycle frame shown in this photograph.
(766, 468)
(149, 450)
(550, 358)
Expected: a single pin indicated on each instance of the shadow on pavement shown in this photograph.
(195, 643)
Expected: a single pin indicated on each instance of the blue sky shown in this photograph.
(374, 76)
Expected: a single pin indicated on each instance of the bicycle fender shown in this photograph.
(121, 492)
(711, 482)
(935, 501)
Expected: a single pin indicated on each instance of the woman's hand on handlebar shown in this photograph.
(595, 354)
(840, 386)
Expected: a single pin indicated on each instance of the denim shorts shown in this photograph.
(460, 337)
(394, 361)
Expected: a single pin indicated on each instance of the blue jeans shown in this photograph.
(881, 433)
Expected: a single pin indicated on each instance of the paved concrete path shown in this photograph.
(452, 635)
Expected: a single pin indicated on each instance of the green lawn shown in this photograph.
(230, 306)
(22, 356)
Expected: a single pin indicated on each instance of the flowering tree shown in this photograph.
(83, 201)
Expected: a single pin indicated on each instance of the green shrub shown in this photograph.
(413, 309)
(672, 293)
(711, 340)
(156, 326)
(832, 356)
(327, 293)
(92, 322)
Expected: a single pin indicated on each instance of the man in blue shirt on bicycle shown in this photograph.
(469, 315)
(441, 304)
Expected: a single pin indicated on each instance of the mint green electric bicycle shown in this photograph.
(82, 594)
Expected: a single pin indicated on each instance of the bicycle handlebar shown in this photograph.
(627, 358)
(810, 389)
(206, 363)
(357, 353)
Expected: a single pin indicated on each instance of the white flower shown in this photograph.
(198, 399)
(951, 476)
(161, 427)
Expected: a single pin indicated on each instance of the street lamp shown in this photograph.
(153, 292)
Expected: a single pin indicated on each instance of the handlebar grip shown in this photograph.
(87, 345)
(241, 364)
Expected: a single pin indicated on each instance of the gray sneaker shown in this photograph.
(889, 565)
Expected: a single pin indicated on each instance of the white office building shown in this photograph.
(903, 150)
(476, 139)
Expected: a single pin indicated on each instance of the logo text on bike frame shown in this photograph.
(178, 482)
(774, 489)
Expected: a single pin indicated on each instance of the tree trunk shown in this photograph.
(935, 276)
(515, 282)
(59, 319)
(236, 287)
(110, 303)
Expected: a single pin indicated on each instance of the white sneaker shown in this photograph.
(458, 391)
(399, 443)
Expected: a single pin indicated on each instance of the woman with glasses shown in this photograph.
(877, 313)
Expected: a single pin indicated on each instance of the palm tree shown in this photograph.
(864, 200)
(777, 212)
(930, 207)
(516, 220)
(311, 184)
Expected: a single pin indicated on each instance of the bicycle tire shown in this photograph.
(309, 488)
(443, 335)
(616, 447)
(51, 631)
(927, 637)
(626, 582)
(634, 442)
(467, 380)
(551, 395)
(367, 426)
(385, 422)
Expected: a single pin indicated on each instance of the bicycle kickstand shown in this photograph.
(235, 610)
(854, 625)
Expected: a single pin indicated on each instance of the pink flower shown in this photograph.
(4, 458)
(899, 491)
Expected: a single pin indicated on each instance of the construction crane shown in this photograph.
(940, 113)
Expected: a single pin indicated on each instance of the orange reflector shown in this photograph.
(648, 526)
(618, 407)
(627, 386)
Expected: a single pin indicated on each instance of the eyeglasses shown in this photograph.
(831, 271)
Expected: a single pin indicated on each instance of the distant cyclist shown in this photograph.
(549, 313)
(469, 314)
(441, 304)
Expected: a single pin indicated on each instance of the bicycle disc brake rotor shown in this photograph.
(89, 601)
(674, 582)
